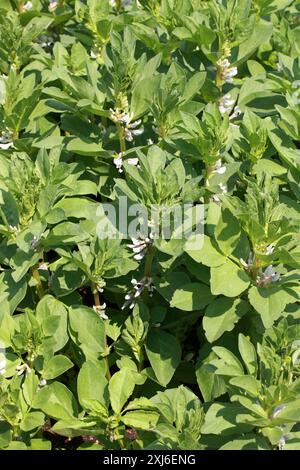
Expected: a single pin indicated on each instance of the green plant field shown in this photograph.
(149, 225)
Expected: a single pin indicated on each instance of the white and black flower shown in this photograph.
(226, 103)
(101, 311)
(268, 276)
(118, 161)
(140, 246)
(23, 369)
(6, 140)
(138, 289)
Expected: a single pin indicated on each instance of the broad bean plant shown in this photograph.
(149, 224)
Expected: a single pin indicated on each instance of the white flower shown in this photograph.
(235, 113)
(140, 247)
(6, 140)
(117, 115)
(95, 53)
(42, 382)
(219, 168)
(250, 262)
(34, 243)
(269, 275)
(282, 442)
(150, 142)
(223, 188)
(23, 368)
(52, 5)
(43, 267)
(216, 199)
(226, 103)
(227, 72)
(118, 161)
(269, 249)
(125, 3)
(100, 310)
(46, 40)
(2, 366)
(27, 6)
(277, 410)
(138, 288)
(130, 128)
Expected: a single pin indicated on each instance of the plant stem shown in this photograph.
(219, 81)
(96, 295)
(37, 278)
(208, 172)
(121, 137)
(148, 268)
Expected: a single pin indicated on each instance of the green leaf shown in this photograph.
(227, 232)
(87, 330)
(270, 302)
(248, 353)
(248, 442)
(142, 95)
(120, 387)
(92, 384)
(192, 296)
(221, 419)
(221, 315)
(57, 401)
(8, 209)
(32, 420)
(56, 366)
(207, 254)
(164, 353)
(53, 316)
(228, 279)
(141, 419)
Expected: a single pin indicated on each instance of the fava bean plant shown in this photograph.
(154, 337)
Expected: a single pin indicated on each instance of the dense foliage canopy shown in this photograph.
(149, 342)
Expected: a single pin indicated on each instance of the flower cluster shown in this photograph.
(138, 289)
(130, 128)
(27, 6)
(46, 41)
(52, 5)
(101, 311)
(219, 168)
(118, 161)
(226, 103)
(226, 71)
(140, 247)
(268, 276)
(23, 369)
(6, 140)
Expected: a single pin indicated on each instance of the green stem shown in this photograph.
(208, 172)
(121, 137)
(20, 6)
(96, 295)
(37, 278)
(219, 81)
(149, 261)
(148, 267)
